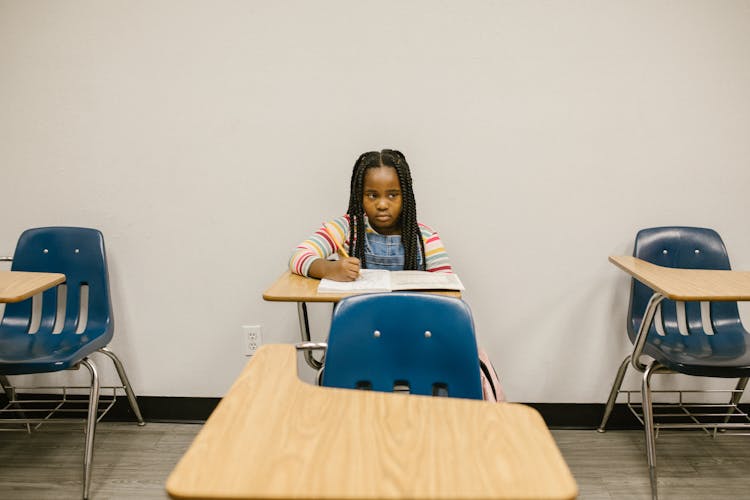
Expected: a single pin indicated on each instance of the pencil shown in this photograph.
(339, 248)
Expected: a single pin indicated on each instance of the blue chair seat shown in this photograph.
(382, 341)
(724, 354)
(45, 353)
(726, 357)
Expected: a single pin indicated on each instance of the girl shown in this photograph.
(380, 229)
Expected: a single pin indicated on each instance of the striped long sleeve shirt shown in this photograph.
(321, 246)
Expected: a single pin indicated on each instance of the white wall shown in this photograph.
(206, 138)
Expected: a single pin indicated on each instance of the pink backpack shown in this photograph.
(491, 388)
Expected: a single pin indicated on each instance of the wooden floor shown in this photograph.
(134, 462)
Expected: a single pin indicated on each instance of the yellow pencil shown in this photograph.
(339, 248)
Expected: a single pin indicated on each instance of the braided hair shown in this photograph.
(411, 236)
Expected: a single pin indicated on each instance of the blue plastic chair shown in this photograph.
(421, 342)
(79, 254)
(723, 354)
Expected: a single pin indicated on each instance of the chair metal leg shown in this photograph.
(88, 454)
(613, 393)
(10, 393)
(648, 427)
(125, 383)
(736, 396)
(8, 389)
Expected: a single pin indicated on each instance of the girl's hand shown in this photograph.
(346, 269)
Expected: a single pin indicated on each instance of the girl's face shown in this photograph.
(382, 199)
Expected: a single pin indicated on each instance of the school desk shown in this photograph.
(16, 286)
(687, 284)
(681, 285)
(274, 436)
(300, 289)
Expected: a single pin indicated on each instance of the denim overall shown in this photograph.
(383, 251)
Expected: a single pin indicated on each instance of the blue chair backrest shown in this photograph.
(79, 254)
(686, 248)
(378, 341)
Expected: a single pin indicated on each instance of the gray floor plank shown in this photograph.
(133, 462)
(691, 464)
(129, 461)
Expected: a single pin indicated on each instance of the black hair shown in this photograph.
(411, 236)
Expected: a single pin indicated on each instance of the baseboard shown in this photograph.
(164, 409)
(556, 415)
(153, 408)
(585, 416)
(197, 410)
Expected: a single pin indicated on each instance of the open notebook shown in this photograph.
(378, 280)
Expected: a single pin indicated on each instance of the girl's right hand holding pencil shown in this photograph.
(348, 269)
(344, 269)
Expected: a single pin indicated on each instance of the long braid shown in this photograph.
(356, 210)
(411, 235)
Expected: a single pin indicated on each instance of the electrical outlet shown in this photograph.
(251, 338)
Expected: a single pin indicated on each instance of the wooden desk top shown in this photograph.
(274, 436)
(687, 284)
(16, 286)
(295, 288)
